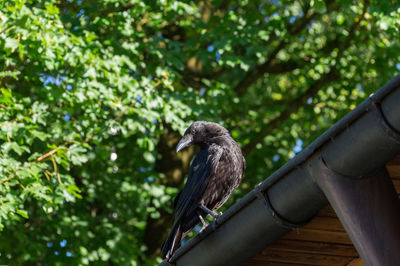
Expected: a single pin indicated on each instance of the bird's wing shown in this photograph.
(203, 167)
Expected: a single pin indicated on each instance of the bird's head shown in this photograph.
(200, 132)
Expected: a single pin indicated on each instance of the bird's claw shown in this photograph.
(216, 215)
(202, 228)
(214, 224)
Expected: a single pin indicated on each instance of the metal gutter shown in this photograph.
(360, 143)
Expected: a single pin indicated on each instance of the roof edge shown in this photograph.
(297, 185)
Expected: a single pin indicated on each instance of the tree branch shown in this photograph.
(292, 107)
(258, 71)
(297, 103)
(284, 67)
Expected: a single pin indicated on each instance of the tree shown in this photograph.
(95, 95)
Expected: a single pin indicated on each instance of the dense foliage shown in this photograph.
(95, 94)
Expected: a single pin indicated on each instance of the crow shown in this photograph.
(215, 172)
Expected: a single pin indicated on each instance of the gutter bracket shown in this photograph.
(282, 221)
(368, 208)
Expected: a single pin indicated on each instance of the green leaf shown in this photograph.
(19, 149)
(40, 135)
(23, 213)
(53, 10)
(319, 6)
(11, 44)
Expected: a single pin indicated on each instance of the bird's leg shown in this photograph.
(202, 221)
(210, 212)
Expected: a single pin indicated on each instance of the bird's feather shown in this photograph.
(215, 172)
(204, 166)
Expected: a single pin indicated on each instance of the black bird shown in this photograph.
(215, 172)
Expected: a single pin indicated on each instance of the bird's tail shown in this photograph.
(171, 244)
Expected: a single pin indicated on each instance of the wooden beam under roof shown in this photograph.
(320, 241)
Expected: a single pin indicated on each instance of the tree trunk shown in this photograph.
(175, 167)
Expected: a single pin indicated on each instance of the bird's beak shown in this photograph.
(184, 142)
